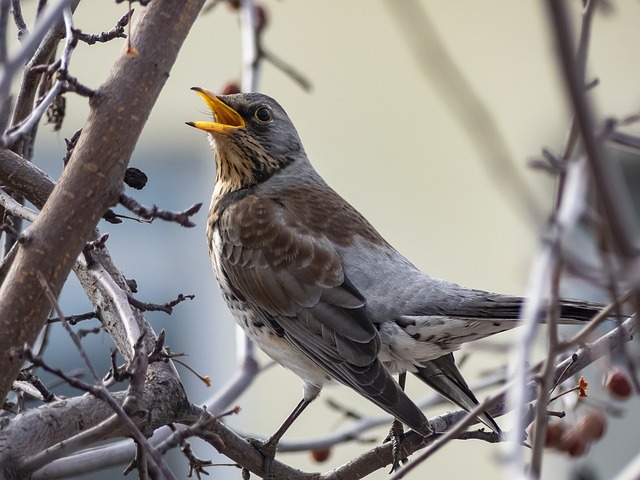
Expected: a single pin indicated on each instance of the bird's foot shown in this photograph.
(268, 451)
(396, 437)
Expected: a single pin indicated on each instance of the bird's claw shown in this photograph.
(396, 437)
(268, 451)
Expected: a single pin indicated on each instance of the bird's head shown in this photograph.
(252, 138)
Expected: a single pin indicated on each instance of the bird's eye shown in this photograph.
(263, 114)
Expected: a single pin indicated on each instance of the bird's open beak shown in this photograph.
(225, 118)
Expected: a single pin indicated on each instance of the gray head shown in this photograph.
(252, 138)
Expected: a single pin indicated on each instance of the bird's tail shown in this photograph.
(443, 376)
(576, 311)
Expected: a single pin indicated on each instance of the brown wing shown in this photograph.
(295, 279)
(281, 268)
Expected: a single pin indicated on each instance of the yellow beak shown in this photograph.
(225, 118)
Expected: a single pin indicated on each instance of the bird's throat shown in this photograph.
(234, 171)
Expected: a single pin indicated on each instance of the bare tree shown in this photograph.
(44, 436)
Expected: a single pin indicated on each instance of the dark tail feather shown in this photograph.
(579, 311)
(444, 377)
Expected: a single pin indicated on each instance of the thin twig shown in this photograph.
(572, 204)
(18, 19)
(460, 427)
(115, 32)
(546, 384)
(16, 209)
(287, 69)
(181, 218)
(250, 46)
(545, 380)
(74, 337)
(606, 175)
(26, 125)
(16, 61)
(156, 307)
(4, 21)
(33, 380)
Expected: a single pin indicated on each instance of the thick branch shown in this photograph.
(25, 178)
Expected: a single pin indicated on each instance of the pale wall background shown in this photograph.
(382, 136)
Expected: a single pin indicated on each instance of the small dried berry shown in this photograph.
(573, 443)
(320, 455)
(135, 178)
(230, 88)
(592, 425)
(262, 19)
(617, 382)
(555, 430)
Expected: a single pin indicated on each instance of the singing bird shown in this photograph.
(315, 285)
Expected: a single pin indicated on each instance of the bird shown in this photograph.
(319, 289)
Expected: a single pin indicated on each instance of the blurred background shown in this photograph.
(391, 138)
